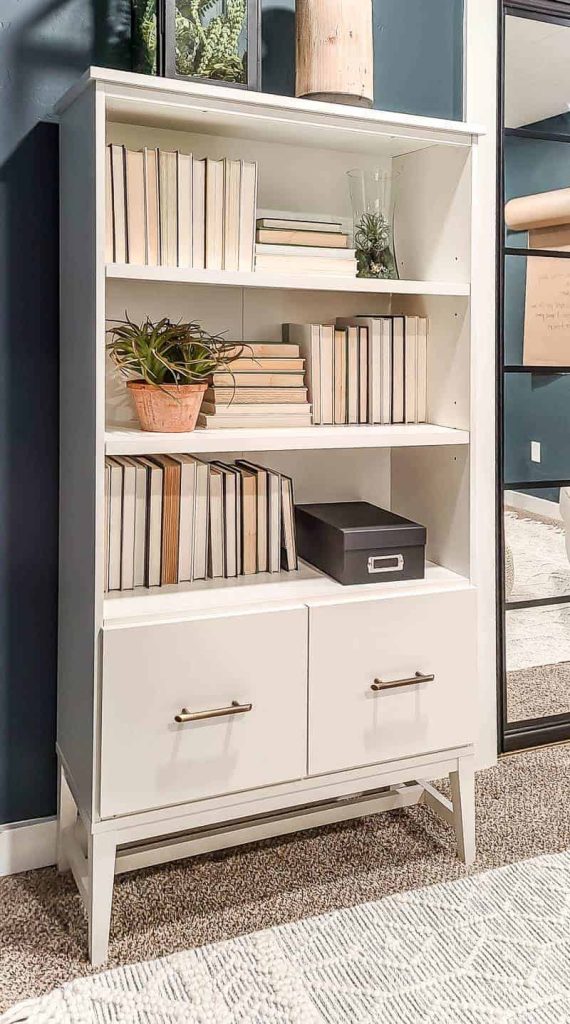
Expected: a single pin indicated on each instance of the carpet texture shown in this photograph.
(538, 692)
(490, 948)
(522, 812)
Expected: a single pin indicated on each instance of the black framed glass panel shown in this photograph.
(534, 388)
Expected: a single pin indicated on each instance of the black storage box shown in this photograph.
(356, 542)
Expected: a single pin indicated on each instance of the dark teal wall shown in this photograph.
(537, 407)
(44, 46)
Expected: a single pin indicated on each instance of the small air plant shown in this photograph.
(167, 353)
(373, 244)
(168, 366)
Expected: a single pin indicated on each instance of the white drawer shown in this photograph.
(151, 673)
(354, 644)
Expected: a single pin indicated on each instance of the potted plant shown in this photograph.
(167, 366)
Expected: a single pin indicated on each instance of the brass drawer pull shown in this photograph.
(380, 684)
(198, 716)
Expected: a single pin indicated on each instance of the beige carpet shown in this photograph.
(538, 692)
(522, 809)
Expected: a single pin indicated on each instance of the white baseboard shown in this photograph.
(529, 503)
(27, 845)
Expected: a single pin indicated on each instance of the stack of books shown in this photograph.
(175, 519)
(171, 209)
(264, 386)
(289, 246)
(365, 369)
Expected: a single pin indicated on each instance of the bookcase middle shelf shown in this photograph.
(132, 441)
(289, 282)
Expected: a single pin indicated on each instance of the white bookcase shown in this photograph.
(319, 744)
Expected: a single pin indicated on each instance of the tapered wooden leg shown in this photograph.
(101, 857)
(66, 817)
(463, 799)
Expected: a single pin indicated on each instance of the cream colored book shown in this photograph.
(153, 552)
(327, 373)
(398, 370)
(188, 466)
(261, 475)
(214, 214)
(248, 520)
(308, 339)
(119, 203)
(184, 210)
(216, 529)
(152, 211)
(238, 380)
(255, 410)
(289, 544)
(318, 239)
(411, 368)
(198, 214)
(352, 375)
(363, 374)
(115, 502)
(262, 421)
(109, 231)
(306, 265)
(340, 376)
(421, 403)
(228, 476)
(232, 193)
(269, 349)
(255, 396)
(200, 551)
(248, 209)
(168, 199)
(261, 364)
(128, 523)
(386, 370)
(136, 229)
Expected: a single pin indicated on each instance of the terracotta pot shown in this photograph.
(170, 409)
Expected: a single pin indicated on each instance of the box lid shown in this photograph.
(364, 526)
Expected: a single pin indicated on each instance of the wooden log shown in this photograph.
(335, 51)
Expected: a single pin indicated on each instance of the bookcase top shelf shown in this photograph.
(150, 101)
(132, 441)
(163, 603)
(287, 282)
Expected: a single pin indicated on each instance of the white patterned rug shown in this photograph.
(493, 948)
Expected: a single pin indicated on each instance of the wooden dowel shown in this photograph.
(335, 51)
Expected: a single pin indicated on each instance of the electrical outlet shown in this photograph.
(535, 451)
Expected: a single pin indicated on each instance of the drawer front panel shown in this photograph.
(352, 645)
(151, 673)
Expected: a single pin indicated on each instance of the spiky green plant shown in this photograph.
(166, 353)
(373, 244)
(208, 45)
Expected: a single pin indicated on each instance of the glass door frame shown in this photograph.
(521, 735)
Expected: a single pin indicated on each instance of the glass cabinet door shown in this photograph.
(534, 385)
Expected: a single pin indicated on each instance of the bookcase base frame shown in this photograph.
(95, 852)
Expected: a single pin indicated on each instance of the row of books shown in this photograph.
(263, 386)
(365, 369)
(172, 209)
(175, 519)
(293, 246)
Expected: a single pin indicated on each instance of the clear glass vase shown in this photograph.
(373, 221)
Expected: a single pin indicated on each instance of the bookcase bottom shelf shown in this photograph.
(306, 583)
(132, 441)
